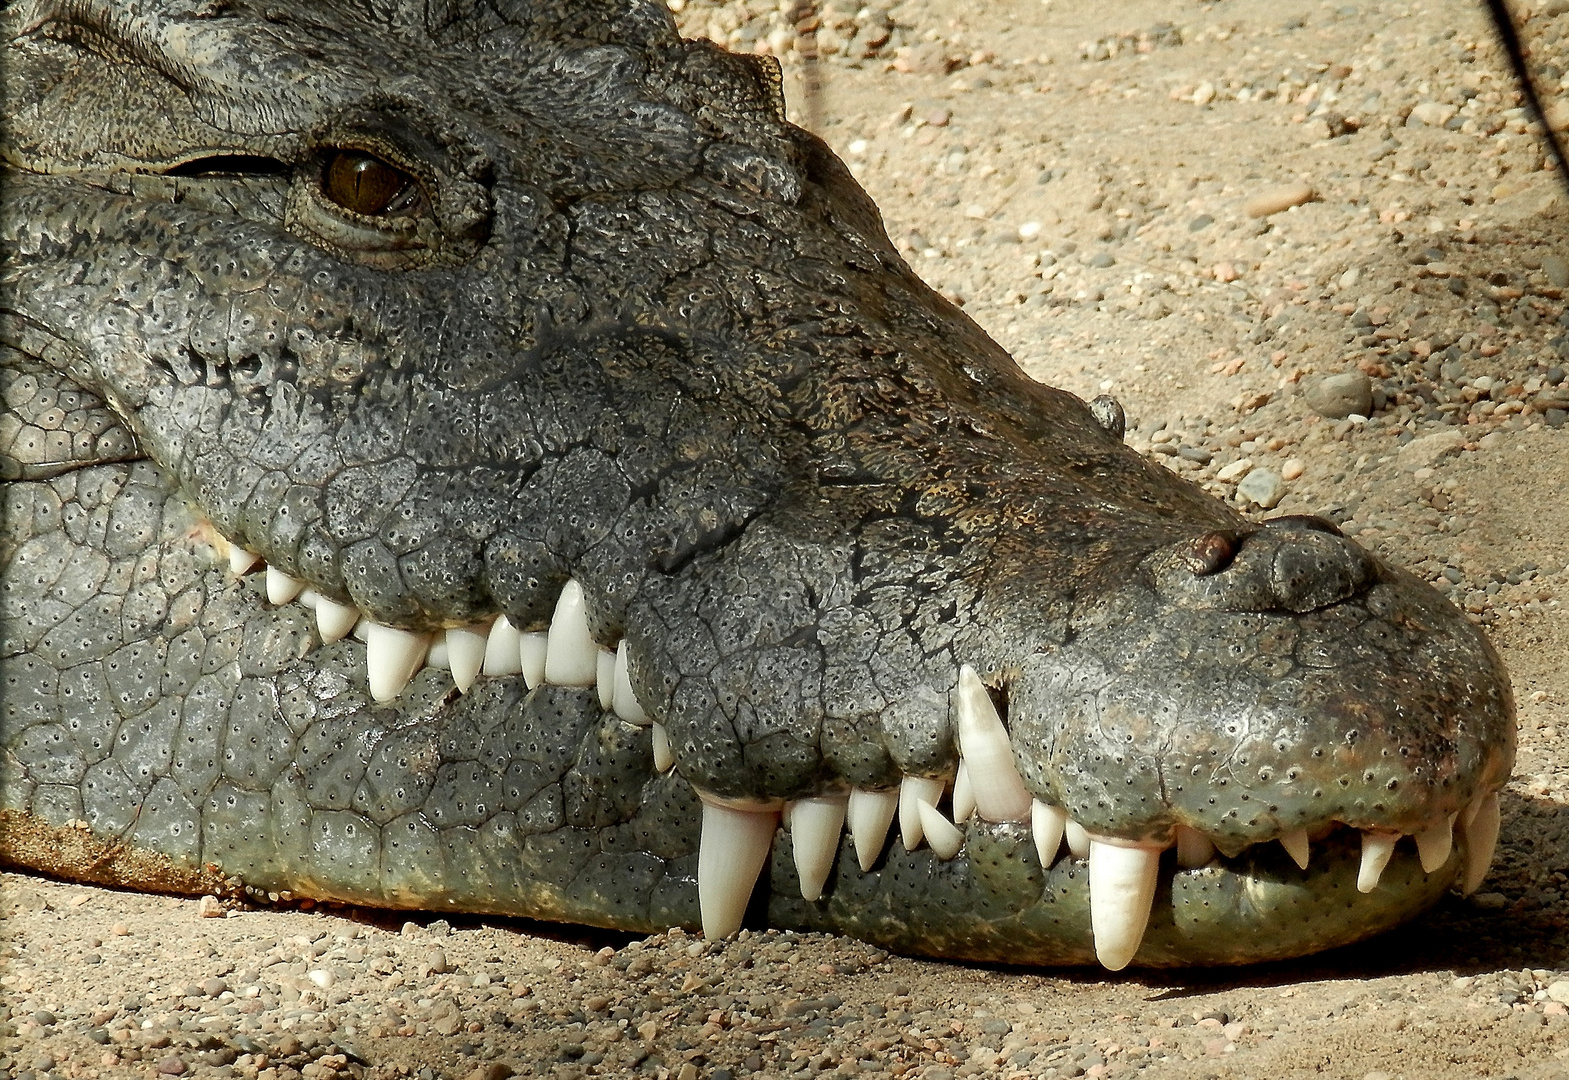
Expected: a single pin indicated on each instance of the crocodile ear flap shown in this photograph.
(770, 79)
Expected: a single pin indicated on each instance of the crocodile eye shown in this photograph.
(365, 184)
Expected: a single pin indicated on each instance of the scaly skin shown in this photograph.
(622, 325)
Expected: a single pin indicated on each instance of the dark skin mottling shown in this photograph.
(438, 315)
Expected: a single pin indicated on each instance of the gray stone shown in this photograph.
(1263, 487)
(1556, 267)
(1339, 396)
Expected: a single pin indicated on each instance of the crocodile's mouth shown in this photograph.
(983, 798)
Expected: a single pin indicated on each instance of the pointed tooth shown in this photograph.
(1078, 839)
(963, 794)
(944, 836)
(466, 648)
(1000, 795)
(501, 649)
(392, 656)
(437, 655)
(1481, 839)
(730, 855)
(1122, 887)
(531, 657)
(1296, 844)
(1194, 849)
(334, 621)
(869, 814)
(815, 825)
(309, 598)
(622, 699)
(281, 588)
(1434, 843)
(605, 677)
(1377, 847)
(664, 757)
(571, 658)
(242, 562)
(361, 631)
(1047, 824)
(913, 790)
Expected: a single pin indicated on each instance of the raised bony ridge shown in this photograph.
(737, 835)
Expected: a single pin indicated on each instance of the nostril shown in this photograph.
(1311, 522)
(1210, 553)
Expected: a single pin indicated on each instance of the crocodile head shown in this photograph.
(624, 499)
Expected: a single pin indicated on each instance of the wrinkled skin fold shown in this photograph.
(530, 342)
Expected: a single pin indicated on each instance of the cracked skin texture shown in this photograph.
(618, 322)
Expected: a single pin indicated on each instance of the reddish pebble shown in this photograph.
(171, 1066)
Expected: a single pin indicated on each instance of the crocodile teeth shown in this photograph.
(870, 813)
(1377, 847)
(1194, 849)
(815, 825)
(437, 656)
(392, 656)
(1122, 888)
(1047, 824)
(334, 621)
(605, 678)
(914, 790)
(466, 649)
(1434, 843)
(943, 835)
(242, 562)
(1078, 839)
(1000, 795)
(1296, 844)
(571, 657)
(1481, 838)
(501, 649)
(731, 853)
(963, 794)
(664, 757)
(622, 699)
(531, 655)
(281, 588)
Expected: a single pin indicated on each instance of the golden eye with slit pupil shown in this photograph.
(362, 183)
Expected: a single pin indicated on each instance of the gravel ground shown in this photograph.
(1315, 251)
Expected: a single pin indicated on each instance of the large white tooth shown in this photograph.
(963, 794)
(623, 700)
(335, 620)
(730, 855)
(392, 656)
(664, 757)
(466, 649)
(531, 656)
(1078, 839)
(1047, 823)
(1377, 847)
(1000, 795)
(943, 835)
(437, 655)
(1122, 887)
(870, 813)
(501, 649)
(572, 658)
(1434, 843)
(242, 562)
(1296, 844)
(1481, 839)
(914, 790)
(815, 825)
(281, 588)
(1194, 849)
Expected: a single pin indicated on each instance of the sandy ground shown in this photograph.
(1094, 188)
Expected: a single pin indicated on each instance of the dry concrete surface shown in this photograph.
(1205, 209)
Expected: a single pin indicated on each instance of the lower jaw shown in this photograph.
(995, 904)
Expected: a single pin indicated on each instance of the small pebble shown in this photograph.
(171, 1065)
(1263, 487)
(1339, 396)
